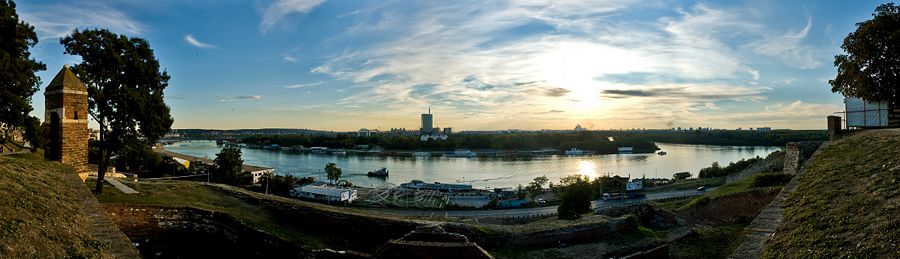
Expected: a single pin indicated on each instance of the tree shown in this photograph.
(125, 90)
(18, 81)
(576, 195)
(681, 176)
(536, 187)
(333, 172)
(34, 133)
(870, 69)
(228, 166)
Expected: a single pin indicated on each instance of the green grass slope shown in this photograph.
(40, 216)
(847, 203)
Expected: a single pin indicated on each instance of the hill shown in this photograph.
(41, 218)
(847, 202)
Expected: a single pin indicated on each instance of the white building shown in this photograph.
(260, 172)
(426, 137)
(364, 132)
(325, 193)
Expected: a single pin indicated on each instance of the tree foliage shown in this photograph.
(333, 172)
(125, 90)
(576, 195)
(870, 69)
(685, 175)
(228, 168)
(715, 170)
(18, 81)
(536, 187)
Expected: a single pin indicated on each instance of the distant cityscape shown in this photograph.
(428, 131)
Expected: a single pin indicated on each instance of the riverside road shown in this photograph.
(538, 211)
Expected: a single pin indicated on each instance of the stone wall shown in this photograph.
(171, 232)
(791, 158)
(795, 153)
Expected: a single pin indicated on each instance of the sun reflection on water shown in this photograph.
(587, 168)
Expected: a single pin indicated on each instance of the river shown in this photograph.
(487, 172)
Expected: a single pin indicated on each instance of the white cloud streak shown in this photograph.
(304, 85)
(194, 42)
(59, 19)
(237, 98)
(280, 9)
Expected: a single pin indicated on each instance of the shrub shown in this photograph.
(766, 180)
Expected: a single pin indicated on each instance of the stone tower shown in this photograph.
(66, 111)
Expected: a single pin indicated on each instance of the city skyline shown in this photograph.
(342, 66)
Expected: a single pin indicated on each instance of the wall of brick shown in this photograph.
(72, 132)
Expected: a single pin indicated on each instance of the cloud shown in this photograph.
(236, 98)
(789, 48)
(194, 42)
(556, 92)
(277, 11)
(478, 55)
(290, 59)
(690, 93)
(57, 20)
(303, 85)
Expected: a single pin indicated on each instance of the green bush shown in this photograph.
(766, 180)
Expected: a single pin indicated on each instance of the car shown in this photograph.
(542, 201)
(701, 188)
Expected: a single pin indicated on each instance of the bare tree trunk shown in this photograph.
(101, 165)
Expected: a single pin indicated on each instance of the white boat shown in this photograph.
(318, 149)
(462, 153)
(340, 152)
(626, 150)
(575, 152)
(421, 154)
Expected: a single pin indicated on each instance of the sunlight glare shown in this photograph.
(587, 168)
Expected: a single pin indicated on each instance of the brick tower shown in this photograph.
(66, 110)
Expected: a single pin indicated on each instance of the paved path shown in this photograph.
(767, 222)
(124, 188)
(539, 211)
(23, 151)
(102, 228)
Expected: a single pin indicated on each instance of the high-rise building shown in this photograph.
(427, 120)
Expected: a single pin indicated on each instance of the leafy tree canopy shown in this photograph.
(125, 89)
(870, 69)
(18, 81)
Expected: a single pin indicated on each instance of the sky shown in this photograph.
(479, 65)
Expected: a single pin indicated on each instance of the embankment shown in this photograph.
(846, 202)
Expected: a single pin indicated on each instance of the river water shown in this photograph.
(487, 172)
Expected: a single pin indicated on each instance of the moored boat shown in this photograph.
(383, 172)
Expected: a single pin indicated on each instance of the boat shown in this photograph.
(383, 172)
(661, 153)
(421, 154)
(318, 149)
(461, 153)
(625, 150)
(339, 152)
(575, 152)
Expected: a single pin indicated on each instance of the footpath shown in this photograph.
(102, 228)
(764, 226)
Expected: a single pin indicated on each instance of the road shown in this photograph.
(528, 212)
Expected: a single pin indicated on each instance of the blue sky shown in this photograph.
(345, 65)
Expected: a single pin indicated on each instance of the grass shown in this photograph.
(740, 186)
(710, 242)
(197, 195)
(690, 184)
(41, 218)
(847, 203)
